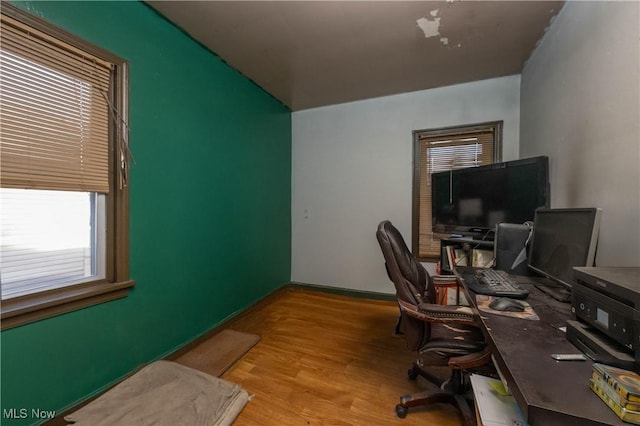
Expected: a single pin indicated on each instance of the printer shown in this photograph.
(606, 305)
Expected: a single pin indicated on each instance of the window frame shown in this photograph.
(117, 282)
(418, 135)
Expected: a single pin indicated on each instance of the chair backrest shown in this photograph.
(411, 281)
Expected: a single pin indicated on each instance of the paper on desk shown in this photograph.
(494, 409)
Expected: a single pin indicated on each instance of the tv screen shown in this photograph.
(562, 239)
(474, 200)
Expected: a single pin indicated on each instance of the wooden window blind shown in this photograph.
(55, 113)
(441, 150)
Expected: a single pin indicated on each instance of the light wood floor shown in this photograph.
(327, 359)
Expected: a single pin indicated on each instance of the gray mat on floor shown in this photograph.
(165, 393)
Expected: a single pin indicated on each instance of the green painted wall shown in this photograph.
(210, 211)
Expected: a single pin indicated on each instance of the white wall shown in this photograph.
(352, 168)
(580, 100)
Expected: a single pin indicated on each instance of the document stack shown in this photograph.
(619, 389)
(494, 407)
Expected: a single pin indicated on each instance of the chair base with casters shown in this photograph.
(454, 391)
(455, 343)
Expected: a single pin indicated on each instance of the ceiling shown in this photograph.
(314, 53)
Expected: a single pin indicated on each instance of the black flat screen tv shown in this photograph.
(472, 201)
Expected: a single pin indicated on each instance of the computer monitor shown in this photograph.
(562, 239)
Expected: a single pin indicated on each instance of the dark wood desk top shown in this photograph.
(549, 392)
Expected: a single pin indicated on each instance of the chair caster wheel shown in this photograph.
(413, 373)
(401, 411)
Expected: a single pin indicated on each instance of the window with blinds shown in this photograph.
(441, 150)
(54, 113)
(64, 216)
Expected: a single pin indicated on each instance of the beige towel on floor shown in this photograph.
(165, 393)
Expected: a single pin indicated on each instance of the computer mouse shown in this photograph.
(506, 304)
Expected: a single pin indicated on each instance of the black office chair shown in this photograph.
(441, 335)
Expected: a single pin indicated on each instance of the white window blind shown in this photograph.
(54, 115)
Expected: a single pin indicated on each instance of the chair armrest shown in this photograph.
(448, 313)
(441, 313)
(472, 360)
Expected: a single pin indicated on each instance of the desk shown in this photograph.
(548, 392)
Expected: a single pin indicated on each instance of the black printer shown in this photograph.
(606, 305)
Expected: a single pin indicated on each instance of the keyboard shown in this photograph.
(492, 282)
